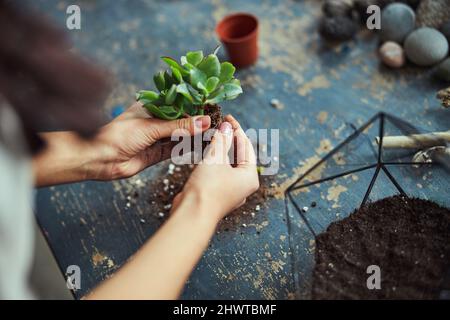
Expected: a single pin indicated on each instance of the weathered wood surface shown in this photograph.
(323, 90)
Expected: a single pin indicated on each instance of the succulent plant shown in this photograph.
(192, 84)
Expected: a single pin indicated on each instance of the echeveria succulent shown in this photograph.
(193, 83)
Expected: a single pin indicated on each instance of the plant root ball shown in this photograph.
(392, 55)
(335, 8)
(338, 28)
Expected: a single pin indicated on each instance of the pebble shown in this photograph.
(258, 207)
(313, 204)
(397, 21)
(142, 221)
(168, 206)
(426, 47)
(338, 28)
(305, 209)
(171, 168)
(161, 214)
(392, 54)
(276, 104)
(166, 181)
(442, 71)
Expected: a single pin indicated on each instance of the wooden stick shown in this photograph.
(416, 141)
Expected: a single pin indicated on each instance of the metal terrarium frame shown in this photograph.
(378, 165)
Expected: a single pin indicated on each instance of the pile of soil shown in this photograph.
(408, 238)
(167, 186)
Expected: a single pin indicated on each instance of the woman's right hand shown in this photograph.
(217, 186)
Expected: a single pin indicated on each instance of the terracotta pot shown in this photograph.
(239, 34)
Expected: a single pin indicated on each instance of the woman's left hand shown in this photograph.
(131, 142)
(122, 148)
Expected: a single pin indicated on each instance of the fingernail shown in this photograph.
(203, 122)
(226, 128)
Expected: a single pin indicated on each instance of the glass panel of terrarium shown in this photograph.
(354, 154)
(429, 182)
(311, 210)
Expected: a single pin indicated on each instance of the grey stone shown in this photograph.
(397, 21)
(443, 70)
(426, 47)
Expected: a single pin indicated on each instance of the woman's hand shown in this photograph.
(217, 185)
(131, 142)
(122, 148)
(160, 269)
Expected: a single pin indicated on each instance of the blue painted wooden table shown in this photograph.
(326, 92)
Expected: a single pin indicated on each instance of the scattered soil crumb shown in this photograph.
(166, 187)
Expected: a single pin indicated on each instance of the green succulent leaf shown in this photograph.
(226, 72)
(210, 66)
(146, 95)
(228, 91)
(158, 79)
(164, 112)
(188, 86)
(176, 75)
(171, 95)
(168, 80)
(173, 63)
(194, 57)
(183, 90)
(211, 84)
(197, 96)
(197, 76)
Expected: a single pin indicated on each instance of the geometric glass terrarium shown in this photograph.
(373, 163)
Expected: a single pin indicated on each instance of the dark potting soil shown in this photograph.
(165, 188)
(215, 113)
(408, 238)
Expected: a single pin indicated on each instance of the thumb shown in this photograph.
(217, 152)
(192, 125)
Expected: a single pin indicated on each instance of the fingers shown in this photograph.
(245, 154)
(217, 151)
(158, 129)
